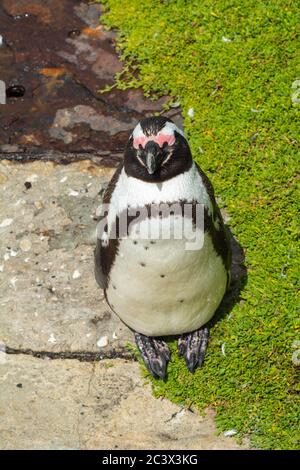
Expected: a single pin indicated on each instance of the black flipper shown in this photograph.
(220, 236)
(192, 346)
(155, 354)
(104, 255)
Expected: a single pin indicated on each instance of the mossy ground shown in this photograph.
(234, 63)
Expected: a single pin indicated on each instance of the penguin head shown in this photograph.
(156, 150)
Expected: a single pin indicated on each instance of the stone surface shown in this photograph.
(47, 237)
(67, 404)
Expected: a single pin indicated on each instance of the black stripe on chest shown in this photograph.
(125, 221)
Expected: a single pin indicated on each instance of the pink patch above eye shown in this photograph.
(159, 139)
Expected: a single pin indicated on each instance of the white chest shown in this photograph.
(159, 288)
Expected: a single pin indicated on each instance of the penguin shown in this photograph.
(160, 283)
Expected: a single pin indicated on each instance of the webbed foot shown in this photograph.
(155, 354)
(192, 346)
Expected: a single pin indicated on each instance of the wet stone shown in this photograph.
(53, 100)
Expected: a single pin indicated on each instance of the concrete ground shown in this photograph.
(59, 388)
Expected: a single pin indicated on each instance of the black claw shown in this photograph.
(182, 345)
(191, 361)
(193, 347)
(162, 348)
(158, 369)
(155, 354)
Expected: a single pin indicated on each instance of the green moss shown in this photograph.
(244, 135)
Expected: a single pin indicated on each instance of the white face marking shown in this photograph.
(140, 160)
(170, 127)
(166, 134)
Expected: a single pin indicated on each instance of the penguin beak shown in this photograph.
(151, 163)
(152, 157)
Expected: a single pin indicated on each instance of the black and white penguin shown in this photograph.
(155, 284)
